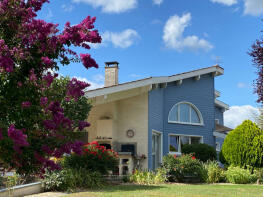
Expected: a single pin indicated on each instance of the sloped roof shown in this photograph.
(154, 80)
(222, 129)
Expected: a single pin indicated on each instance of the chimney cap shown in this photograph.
(115, 63)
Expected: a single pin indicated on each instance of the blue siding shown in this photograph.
(155, 102)
(219, 115)
(200, 93)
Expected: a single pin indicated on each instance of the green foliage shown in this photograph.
(222, 158)
(215, 174)
(95, 158)
(88, 162)
(238, 175)
(243, 146)
(73, 110)
(149, 177)
(71, 179)
(180, 168)
(259, 173)
(203, 152)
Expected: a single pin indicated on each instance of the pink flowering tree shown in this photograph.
(37, 123)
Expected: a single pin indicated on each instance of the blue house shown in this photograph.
(146, 119)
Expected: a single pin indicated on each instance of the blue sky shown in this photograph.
(165, 37)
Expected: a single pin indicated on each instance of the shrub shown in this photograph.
(259, 174)
(71, 179)
(180, 168)
(95, 158)
(215, 174)
(238, 175)
(243, 146)
(203, 152)
(55, 181)
(148, 177)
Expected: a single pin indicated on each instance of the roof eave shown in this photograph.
(216, 70)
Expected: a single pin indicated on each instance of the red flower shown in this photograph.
(193, 157)
(175, 156)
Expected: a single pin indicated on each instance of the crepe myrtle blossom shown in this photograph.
(26, 104)
(29, 48)
(83, 124)
(76, 88)
(19, 139)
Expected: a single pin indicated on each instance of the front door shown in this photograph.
(156, 149)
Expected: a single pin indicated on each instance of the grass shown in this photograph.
(174, 190)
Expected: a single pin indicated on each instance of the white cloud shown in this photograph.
(67, 8)
(237, 114)
(157, 2)
(122, 39)
(253, 7)
(93, 84)
(241, 85)
(98, 78)
(111, 6)
(225, 2)
(173, 35)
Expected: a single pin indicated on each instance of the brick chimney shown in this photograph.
(111, 74)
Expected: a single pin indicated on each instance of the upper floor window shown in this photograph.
(185, 113)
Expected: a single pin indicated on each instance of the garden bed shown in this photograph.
(22, 190)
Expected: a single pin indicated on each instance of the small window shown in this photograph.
(218, 148)
(176, 142)
(185, 113)
(217, 121)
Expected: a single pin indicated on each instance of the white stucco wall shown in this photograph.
(128, 113)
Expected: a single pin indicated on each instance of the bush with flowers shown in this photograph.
(94, 158)
(183, 168)
(35, 124)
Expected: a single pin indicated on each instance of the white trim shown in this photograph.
(188, 123)
(218, 150)
(161, 135)
(220, 135)
(153, 80)
(221, 104)
(217, 93)
(173, 134)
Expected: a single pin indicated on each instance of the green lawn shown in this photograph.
(175, 190)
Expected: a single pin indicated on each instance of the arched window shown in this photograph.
(185, 113)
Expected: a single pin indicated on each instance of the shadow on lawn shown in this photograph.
(111, 188)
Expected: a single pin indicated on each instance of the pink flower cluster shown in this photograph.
(87, 61)
(26, 104)
(58, 119)
(76, 88)
(49, 78)
(83, 124)
(19, 139)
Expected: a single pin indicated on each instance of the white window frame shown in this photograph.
(161, 151)
(218, 147)
(179, 146)
(192, 106)
(216, 121)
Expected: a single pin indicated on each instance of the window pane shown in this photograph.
(196, 140)
(194, 116)
(153, 144)
(184, 140)
(184, 113)
(174, 143)
(173, 116)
